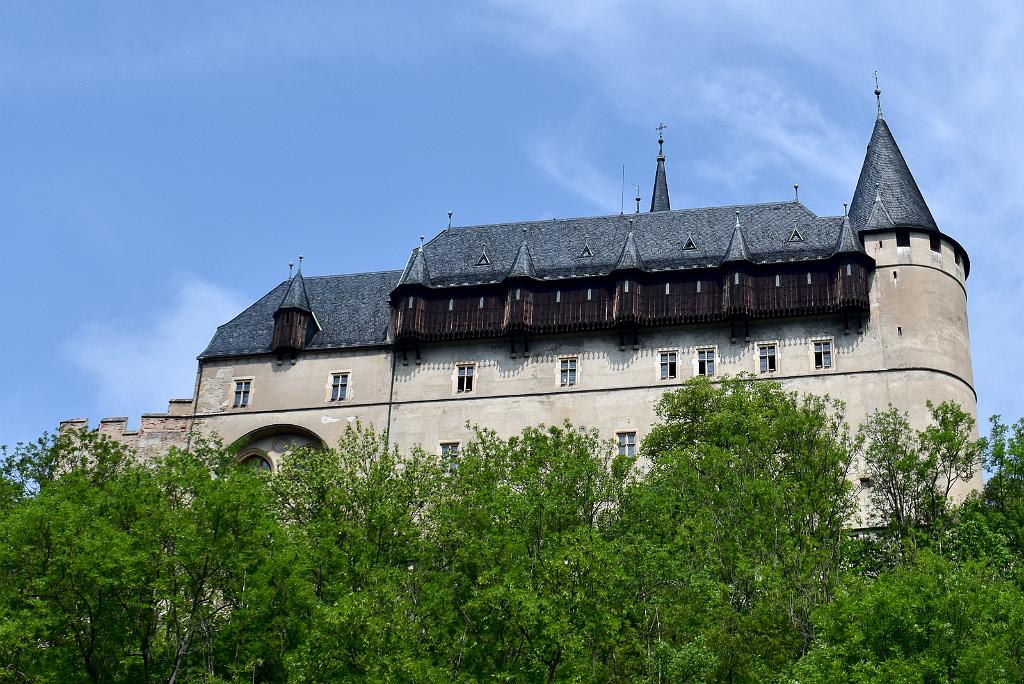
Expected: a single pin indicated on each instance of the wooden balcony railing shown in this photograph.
(544, 310)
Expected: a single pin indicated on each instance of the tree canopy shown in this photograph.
(723, 552)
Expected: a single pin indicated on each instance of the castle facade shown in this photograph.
(592, 319)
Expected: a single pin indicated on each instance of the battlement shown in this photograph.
(156, 433)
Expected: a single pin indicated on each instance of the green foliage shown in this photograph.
(720, 555)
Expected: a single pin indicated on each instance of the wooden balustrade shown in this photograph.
(543, 309)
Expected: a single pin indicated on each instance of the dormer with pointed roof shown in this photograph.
(629, 258)
(522, 266)
(294, 321)
(737, 245)
(659, 197)
(847, 242)
(416, 271)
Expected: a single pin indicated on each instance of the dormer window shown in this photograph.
(689, 244)
(795, 236)
(483, 261)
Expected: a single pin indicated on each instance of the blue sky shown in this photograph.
(162, 162)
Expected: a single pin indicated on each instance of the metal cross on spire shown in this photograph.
(661, 138)
(878, 95)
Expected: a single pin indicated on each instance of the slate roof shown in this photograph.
(885, 173)
(352, 310)
(554, 245)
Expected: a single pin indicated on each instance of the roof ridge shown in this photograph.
(801, 205)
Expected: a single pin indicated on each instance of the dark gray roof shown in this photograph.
(351, 310)
(555, 245)
(885, 173)
(295, 296)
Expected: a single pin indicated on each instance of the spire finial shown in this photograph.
(737, 218)
(422, 238)
(637, 198)
(845, 210)
(796, 191)
(878, 95)
(450, 212)
(661, 138)
(878, 192)
(300, 263)
(291, 265)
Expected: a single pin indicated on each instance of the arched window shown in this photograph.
(257, 461)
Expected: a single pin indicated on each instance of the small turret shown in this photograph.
(737, 245)
(294, 322)
(416, 272)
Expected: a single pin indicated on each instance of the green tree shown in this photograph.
(749, 483)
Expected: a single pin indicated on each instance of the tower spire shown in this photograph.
(659, 198)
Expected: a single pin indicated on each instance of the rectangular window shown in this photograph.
(242, 388)
(411, 300)
(339, 386)
(450, 450)
(465, 378)
(627, 443)
(902, 238)
(823, 354)
(766, 357)
(668, 365)
(567, 372)
(706, 362)
(935, 243)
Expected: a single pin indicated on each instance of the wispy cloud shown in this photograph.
(137, 363)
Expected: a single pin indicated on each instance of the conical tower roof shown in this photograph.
(885, 175)
(659, 197)
(737, 245)
(522, 266)
(629, 258)
(295, 296)
(416, 272)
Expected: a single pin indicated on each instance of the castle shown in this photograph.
(592, 319)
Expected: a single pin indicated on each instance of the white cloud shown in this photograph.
(138, 363)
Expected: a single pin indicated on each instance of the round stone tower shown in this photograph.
(919, 293)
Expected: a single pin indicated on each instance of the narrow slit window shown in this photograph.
(558, 297)
(519, 294)
(849, 269)
(736, 279)
(778, 281)
(339, 386)
(466, 371)
(668, 365)
(451, 304)
(808, 278)
(567, 372)
(767, 357)
(823, 354)
(706, 362)
(698, 287)
(411, 299)
(668, 288)
(242, 389)
(590, 294)
(481, 302)
(625, 286)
